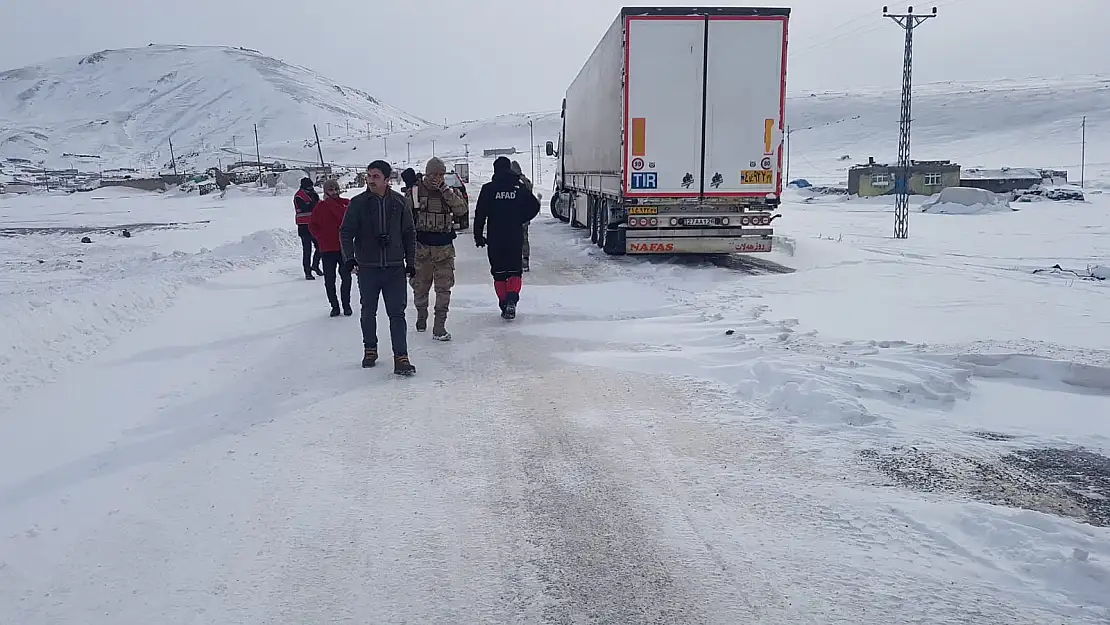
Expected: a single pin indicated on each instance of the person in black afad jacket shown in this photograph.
(504, 205)
(304, 201)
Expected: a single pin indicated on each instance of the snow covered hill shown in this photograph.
(125, 105)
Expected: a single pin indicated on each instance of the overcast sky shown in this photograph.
(468, 59)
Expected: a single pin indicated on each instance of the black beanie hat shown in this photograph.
(306, 183)
(502, 165)
(381, 166)
(409, 176)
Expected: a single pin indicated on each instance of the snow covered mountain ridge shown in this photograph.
(125, 105)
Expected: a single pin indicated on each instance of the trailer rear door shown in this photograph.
(664, 65)
(745, 96)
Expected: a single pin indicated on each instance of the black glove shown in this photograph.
(352, 264)
(410, 270)
(479, 240)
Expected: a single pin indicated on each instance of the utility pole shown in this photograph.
(908, 21)
(348, 127)
(319, 151)
(385, 143)
(258, 155)
(408, 153)
(173, 159)
(433, 147)
(466, 146)
(1083, 157)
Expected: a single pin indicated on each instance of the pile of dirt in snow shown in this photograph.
(1073, 483)
(966, 201)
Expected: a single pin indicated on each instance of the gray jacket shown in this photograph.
(370, 216)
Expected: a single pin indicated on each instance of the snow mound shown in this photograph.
(291, 179)
(64, 310)
(966, 201)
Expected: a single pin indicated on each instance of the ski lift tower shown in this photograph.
(908, 21)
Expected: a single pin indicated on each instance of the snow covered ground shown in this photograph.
(187, 437)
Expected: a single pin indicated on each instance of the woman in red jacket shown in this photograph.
(324, 226)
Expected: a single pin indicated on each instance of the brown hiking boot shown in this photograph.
(422, 320)
(402, 366)
(369, 357)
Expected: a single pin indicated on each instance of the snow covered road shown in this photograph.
(602, 459)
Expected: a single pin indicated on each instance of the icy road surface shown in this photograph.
(190, 439)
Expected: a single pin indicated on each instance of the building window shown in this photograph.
(880, 180)
(932, 180)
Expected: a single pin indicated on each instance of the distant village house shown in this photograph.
(926, 178)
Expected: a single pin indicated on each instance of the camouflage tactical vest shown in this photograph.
(432, 212)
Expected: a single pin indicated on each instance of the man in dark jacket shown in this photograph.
(506, 204)
(409, 178)
(303, 202)
(378, 238)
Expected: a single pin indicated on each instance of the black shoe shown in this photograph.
(510, 311)
(309, 276)
(347, 312)
(334, 311)
(318, 271)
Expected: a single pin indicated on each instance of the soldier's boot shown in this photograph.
(421, 319)
(439, 328)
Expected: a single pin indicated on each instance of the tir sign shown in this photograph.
(644, 180)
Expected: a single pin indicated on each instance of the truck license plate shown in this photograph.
(748, 247)
(757, 176)
(697, 221)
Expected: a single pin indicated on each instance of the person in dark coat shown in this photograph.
(504, 205)
(378, 239)
(303, 202)
(409, 178)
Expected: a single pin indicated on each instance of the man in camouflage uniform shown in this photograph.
(434, 206)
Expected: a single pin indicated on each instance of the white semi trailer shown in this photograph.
(672, 132)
